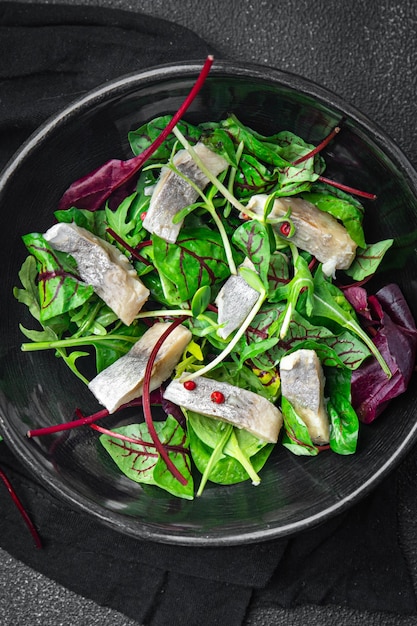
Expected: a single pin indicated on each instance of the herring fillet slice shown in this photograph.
(122, 381)
(302, 384)
(101, 265)
(316, 231)
(234, 302)
(172, 192)
(242, 408)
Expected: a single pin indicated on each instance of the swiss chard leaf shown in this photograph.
(253, 239)
(141, 462)
(368, 259)
(278, 275)
(195, 260)
(296, 437)
(60, 289)
(254, 177)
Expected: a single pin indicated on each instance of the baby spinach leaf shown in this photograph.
(266, 384)
(254, 143)
(219, 141)
(93, 221)
(118, 342)
(145, 135)
(201, 300)
(242, 454)
(343, 419)
(349, 213)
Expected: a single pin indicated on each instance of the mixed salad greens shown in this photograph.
(290, 300)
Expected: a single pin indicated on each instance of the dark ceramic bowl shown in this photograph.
(38, 390)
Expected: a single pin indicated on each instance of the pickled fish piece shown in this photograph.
(242, 408)
(234, 301)
(316, 232)
(172, 192)
(302, 384)
(122, 381)
(101, 265)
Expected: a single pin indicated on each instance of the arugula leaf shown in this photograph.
(329, 302)
(125, 221)
(29, 295)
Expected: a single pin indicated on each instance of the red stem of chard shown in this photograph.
(351, 190)
(318, 148)
(87, 420)
(21, 509)
(138, 442)
(115, 173)
(146, 403)
(112, 433)
(144, 156)
(82, 421)
(332, 183)
(125, 245)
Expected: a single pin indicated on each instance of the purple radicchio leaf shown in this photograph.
(396, 339)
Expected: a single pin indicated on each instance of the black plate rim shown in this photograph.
(28, 454)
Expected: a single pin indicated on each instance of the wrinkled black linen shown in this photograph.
(50, 55)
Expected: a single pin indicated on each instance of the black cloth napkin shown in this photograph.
(50, 55)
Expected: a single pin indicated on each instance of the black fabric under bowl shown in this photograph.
(38, 390)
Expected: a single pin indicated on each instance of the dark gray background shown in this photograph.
(366, 53)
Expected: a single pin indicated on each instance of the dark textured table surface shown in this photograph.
(366, 53)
